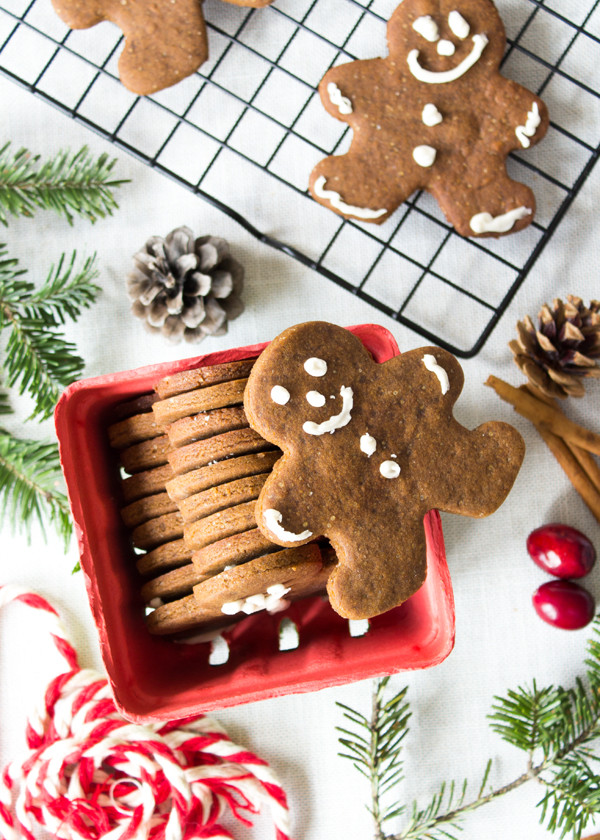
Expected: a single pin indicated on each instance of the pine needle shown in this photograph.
(69, 184)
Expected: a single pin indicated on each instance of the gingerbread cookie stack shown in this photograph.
(196, 469)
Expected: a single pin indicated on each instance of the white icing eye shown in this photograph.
(445, 47)
(315, 399)
(458, 25)
(280, 395)
(315, 367)
(427, 28)
(389, 469)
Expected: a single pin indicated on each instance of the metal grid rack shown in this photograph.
(245, 131)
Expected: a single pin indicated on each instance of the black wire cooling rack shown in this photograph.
(245, 131)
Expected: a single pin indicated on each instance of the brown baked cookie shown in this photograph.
(368, 449)
(223, 496)
(146, 483)
(146, 455)
(227, 445)
(170, 555)
(132, 430)
(200, 377)
(435, 114)
(195, 481)
(179, 617)
(137, 405)
(206, 424)
(147, 508)
(165, 40)
(162, 529)
(174, 584)
(219, 525)
(202, 399)
(231, 551)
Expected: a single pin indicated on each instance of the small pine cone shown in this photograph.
(184, 287)
(560, 353)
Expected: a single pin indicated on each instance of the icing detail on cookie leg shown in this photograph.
(315, 367)
(336, 421)
(389, 469)
(272, 519)
(445, 47)
(273, 602)
(458, 25)
(486, 223)
(336, 98)
(431, 77)
(280, 395)
(524, 132)
(427, 28)
(368, 444)
(315, 398)
(430, 115)
(335, 199)
(431, 364)
(424, 155)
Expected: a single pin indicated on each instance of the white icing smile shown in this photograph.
(336, 200)
(272, 519)
(431, 77)
(336, 421)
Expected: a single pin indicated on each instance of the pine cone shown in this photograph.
(186, 287)
(560, 353)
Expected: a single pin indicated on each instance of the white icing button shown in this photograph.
(315, 367)
(368, 444)
(427, 28)
(424, 155)
(445, 47)
(431, 364)
(458, 25)
(430, 115)
(486, 223)
(279, 394)
(389, 469)
(336, 98)
(315, 399)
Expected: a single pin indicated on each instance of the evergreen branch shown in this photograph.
(556, 727)
(70, 184)
(29, 471)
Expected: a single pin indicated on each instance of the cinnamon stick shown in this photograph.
(545, 416)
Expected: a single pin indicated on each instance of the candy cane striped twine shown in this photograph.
(89, 774)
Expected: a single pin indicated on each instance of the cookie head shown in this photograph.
(442, 41)
(303, 388)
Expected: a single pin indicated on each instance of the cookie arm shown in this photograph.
(339, 86)
(523, 113)
(283, 509)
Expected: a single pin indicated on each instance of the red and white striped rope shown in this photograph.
(89, 774)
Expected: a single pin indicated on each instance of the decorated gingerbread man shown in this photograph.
(437, 115)
(369, 449)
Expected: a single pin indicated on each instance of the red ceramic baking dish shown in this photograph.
(153, 678)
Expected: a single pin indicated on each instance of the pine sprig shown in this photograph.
(38, 358)
(556, 728)
(69, 184)
(28, 492)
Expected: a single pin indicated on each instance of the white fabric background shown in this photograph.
(500, 642)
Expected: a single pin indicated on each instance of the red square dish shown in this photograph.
(153, 678)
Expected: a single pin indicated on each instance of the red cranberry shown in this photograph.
(564, 604)
(561, 550)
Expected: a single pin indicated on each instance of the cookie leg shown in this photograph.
(390, 570)
(498, 207)
(356, 187)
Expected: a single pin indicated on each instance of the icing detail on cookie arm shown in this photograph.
(458, 25)
(524, 132)
(337, 98)
(486, 223)
(427, 28)
(336, 421)
(430, 115)
(431, 364)
(335, 199)
(424, 155)
(272, 519)
(431, 77)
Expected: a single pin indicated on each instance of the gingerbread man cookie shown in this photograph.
(165, 40)
(368, 449)
(437, 115)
